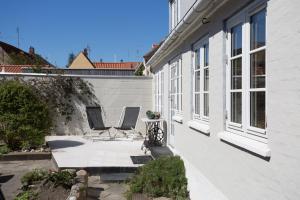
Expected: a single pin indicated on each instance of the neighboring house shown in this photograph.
(15, 60)
(227, 79)
(14, 68)
(82, 65)
(148, 55)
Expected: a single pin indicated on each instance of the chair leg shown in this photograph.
(116, 131)
(109, 134)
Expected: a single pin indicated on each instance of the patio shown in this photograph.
(77, 152)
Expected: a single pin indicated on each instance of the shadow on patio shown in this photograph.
(59, 144)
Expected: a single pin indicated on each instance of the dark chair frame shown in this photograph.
(95, 120)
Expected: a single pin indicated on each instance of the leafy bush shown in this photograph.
(27, 195)
(162, 177)
(4, 149)
(24, 118)
(33, 176)
(64, 178)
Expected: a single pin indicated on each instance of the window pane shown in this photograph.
(258, 69)
(197, 59)
(206, 105)
(258, 30)
(206, 55)
(236, 107)
(180, 106)
(236, 73)
(177, 101)
(206, 79)
(197, 81)
(172, 101)
(236, 40)
(257, 109)
(173, 72)
(197, 104)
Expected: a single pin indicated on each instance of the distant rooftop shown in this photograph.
(116, 65)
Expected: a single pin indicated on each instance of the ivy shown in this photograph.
(28, 106)
(61, 93)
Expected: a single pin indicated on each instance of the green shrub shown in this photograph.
(162, 177)
(27, 195)
(4, 149)
(33, 176)
(64, 178)
(24, 118)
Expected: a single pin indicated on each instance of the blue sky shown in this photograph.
(121, 29)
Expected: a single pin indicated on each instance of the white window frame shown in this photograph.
(174, 13)
(199, 46)
(159, 92)
(244, 129)
(177, 65)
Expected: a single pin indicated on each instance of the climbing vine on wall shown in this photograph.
(61, 93)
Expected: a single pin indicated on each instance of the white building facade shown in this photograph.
(227, 81)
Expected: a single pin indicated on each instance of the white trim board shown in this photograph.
(246, 143)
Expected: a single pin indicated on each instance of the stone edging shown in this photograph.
(26, 156)
(79, 190)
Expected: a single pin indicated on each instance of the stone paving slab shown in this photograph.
(77, 152)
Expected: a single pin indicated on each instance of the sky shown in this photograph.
(112, 29)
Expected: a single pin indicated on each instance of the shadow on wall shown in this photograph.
(78, 125)
(112, 94)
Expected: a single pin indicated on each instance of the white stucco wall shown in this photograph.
(113, 93)
(217, 170)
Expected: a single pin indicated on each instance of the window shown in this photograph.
(246, 74)
(176, 86)
(174, 13)
(159, 91)
(201, 81)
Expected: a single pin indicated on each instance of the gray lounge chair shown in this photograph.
(128, 120)
(94, 115)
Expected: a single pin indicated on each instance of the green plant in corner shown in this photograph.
(64, 178)
(164, 177)
(4, 149)
(33, 176)
(24, 118)
(27, 195)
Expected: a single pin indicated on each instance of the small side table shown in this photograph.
(154, 132)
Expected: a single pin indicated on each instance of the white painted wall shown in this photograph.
(113, 93)
(217, 170)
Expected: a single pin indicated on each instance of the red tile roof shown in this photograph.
(119, 65)
(14, 68)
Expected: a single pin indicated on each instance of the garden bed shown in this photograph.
(163, 178)
(14, 156)
(62, 185)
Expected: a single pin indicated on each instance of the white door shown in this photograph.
(172, 103)
(175, 96)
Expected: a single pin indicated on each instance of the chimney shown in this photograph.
(85, 52)
(31, 51)
(121, 60)
(154, 46)
(101, 60)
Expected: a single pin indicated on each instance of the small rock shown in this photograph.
(72, 198)
(72, 171)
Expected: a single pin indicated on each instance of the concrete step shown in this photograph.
(115, 177)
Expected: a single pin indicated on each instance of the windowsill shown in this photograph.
(204, 128)
(251, 145)
(177, 118)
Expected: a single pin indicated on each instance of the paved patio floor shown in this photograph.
(77, 152)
